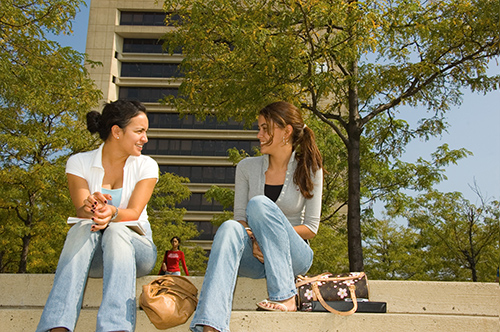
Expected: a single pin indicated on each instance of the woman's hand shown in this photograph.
(97, 204)
(102, 217)
(255, 246)
(257, 253)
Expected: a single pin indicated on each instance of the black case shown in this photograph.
(367, 306)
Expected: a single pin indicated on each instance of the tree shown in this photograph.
(45, 92)
(394, 252)
(459, 235)
(349, 63)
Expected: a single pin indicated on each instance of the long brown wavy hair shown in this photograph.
(303, 141)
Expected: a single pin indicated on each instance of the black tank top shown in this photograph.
(272, 191)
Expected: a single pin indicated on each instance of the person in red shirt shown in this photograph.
(170, 264)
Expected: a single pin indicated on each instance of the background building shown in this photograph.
(125, 37)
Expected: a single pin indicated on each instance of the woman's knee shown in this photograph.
(115, 230)
(229, 226)
(117, 236)
(258, 202)
(262, 211)
(78, 235)
(257, 206)
(229, 232)
(79, 230)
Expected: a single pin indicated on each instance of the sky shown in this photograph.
(474, 125)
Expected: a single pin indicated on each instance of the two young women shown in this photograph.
(277, 209)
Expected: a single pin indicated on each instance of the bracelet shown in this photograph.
(113, 217)
(252, 237)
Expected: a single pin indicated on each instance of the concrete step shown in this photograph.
(24, 320)
(411, 306)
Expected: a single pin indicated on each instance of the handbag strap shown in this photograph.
(167, 283)
(325, 277)
(352, 289)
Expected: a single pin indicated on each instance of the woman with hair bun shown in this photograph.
(107, 186)
(277, 208)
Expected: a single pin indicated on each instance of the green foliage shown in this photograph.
(347, 63)
(225, 196)
(384, 175)
(393, 251)
(330, 247)
(45, 92)
(167, 221)
(447, 238)
(334, 169)
(461, 238)
(236, 155)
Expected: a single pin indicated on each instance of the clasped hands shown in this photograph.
(96, 204)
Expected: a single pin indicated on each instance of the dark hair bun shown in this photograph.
(93, 121)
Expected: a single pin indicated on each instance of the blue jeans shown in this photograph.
(286, 255)
(117, 255)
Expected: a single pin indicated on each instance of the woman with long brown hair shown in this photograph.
(277, 208)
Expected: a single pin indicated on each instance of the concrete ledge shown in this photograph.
(36, 288)
(24, 320)
(412, 306)
(437, 297)
(417, 297)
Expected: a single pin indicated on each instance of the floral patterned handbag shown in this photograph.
(328, 287)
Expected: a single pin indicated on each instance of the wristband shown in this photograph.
(252, 237)
(113, 217)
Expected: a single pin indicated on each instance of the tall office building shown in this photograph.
(124, 36)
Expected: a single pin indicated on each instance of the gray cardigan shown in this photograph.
(250, 180)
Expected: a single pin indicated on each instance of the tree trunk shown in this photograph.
(24, 254)
(2, 267)
(354, 206)
(354, 129)
(474, 273)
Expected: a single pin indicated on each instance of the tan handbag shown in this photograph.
(169, 301)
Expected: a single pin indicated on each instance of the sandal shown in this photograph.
(281, 306)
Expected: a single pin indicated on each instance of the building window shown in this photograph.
(131, 45)
(198, 202)
(147, 69)
(194, 147)
(147, 18)
(189, 121)
(139, 45)
(146, 95)
(206, 229)
(202, 174)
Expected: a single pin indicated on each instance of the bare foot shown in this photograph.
(289, 304)
(207, 328)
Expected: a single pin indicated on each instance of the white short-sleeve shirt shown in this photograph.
(88, 165)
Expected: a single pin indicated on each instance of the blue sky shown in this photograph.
(474, 125)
